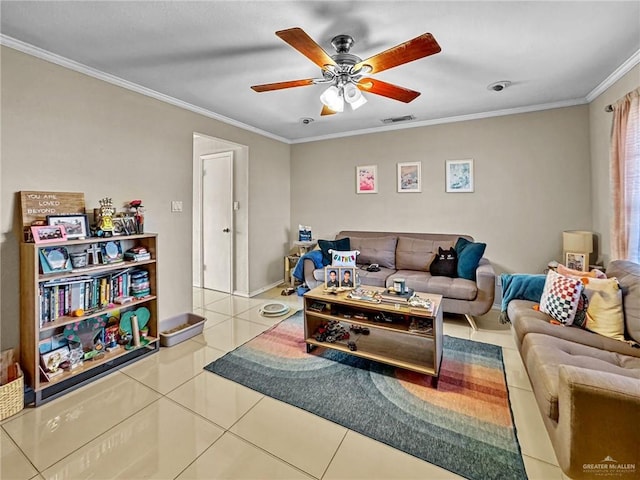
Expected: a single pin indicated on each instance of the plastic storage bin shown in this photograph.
(180, 328)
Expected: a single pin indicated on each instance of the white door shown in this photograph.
(217, 221)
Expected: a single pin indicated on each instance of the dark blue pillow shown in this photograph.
(469, 255)
(341, 245)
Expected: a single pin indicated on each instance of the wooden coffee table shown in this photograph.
(389, 342)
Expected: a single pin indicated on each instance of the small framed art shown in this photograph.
(112, 252)
(367, 179)
(54, 259)
(576, 261)
(47, 233)
(409, 177)
(75, 225)
(459, 176)
(124, 226)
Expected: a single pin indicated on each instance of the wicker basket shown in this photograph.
(11, 398)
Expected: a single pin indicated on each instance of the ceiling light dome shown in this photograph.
(353, 96)
(332, 98)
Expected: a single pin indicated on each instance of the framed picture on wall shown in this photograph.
(409, 177)
(459, 176)
(367, 179)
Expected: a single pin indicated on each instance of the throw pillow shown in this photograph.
(560, 297)
(343, 259)
(469, 255)
(445, 264)
(380, 250)
(342, 244)
(604, 314)
(595, 273)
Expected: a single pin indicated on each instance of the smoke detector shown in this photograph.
(306, 120)
(499, 86)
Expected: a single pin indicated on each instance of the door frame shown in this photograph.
(201, 160)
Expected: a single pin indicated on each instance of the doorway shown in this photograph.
(217, 221)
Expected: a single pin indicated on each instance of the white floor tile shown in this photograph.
(172, 366)
(230, 334)
(50, 432)
(233, 305)
(13, 464)
(298, 437)
(539, 470)
(158, 442)
(360, 457)
(218, 399)
(514, 368)
(233, 458)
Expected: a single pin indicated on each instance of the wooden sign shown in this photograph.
(37, 205)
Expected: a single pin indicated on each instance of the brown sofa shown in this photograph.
(408, 256)
(587, 386)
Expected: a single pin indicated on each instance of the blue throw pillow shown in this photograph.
(469, 255)
(326, 245)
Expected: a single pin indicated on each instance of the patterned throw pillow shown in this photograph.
(343, 259)
(560, 297)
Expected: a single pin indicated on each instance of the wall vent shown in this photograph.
(406, 118)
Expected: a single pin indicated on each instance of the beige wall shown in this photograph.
(64, 131)
(600, 123)
(532, 180)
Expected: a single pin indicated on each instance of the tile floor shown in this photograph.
(165, 417)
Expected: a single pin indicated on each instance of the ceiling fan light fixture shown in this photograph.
(332, 99)
(353, 96)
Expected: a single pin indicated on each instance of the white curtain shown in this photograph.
(625, 178)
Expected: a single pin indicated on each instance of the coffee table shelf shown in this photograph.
(389, 343)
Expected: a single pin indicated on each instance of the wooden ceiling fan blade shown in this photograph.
(298, 39)
(326, 111)
(388, 90)
(406, 52)
(267, 87)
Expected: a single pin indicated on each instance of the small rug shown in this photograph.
(465, 425)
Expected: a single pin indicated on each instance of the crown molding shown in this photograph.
(617, 74)
(439, 121)
(120, 82)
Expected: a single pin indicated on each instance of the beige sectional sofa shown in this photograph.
(587, 386)
(408, 256)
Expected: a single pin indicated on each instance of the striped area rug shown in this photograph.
(465, 425)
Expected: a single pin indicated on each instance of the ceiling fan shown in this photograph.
(345, 72)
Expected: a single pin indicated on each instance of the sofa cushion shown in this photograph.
(341, 244)
(469, 255)
(414, 254)
(380, 250)
(456, 288)
(543, 355)
(375, 279)
(604, 313)
(343, 258)
(560, 297)
(526, 320)
(628, 275)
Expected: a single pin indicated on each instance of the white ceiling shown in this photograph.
(208, 53)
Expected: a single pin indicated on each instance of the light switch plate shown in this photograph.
(176, 206)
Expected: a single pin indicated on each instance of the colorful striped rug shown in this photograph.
(465, 425)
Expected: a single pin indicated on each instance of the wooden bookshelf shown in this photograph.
(35, 329)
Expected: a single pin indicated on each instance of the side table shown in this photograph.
(290, 262)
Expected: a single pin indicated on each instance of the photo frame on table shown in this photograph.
(367, 179)
(576, 261)
(339, 277)
(75, 225)
(410, 177)
(459, 176)
(51, 360)
(48, 233)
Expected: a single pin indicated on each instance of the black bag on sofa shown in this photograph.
(445, 264)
